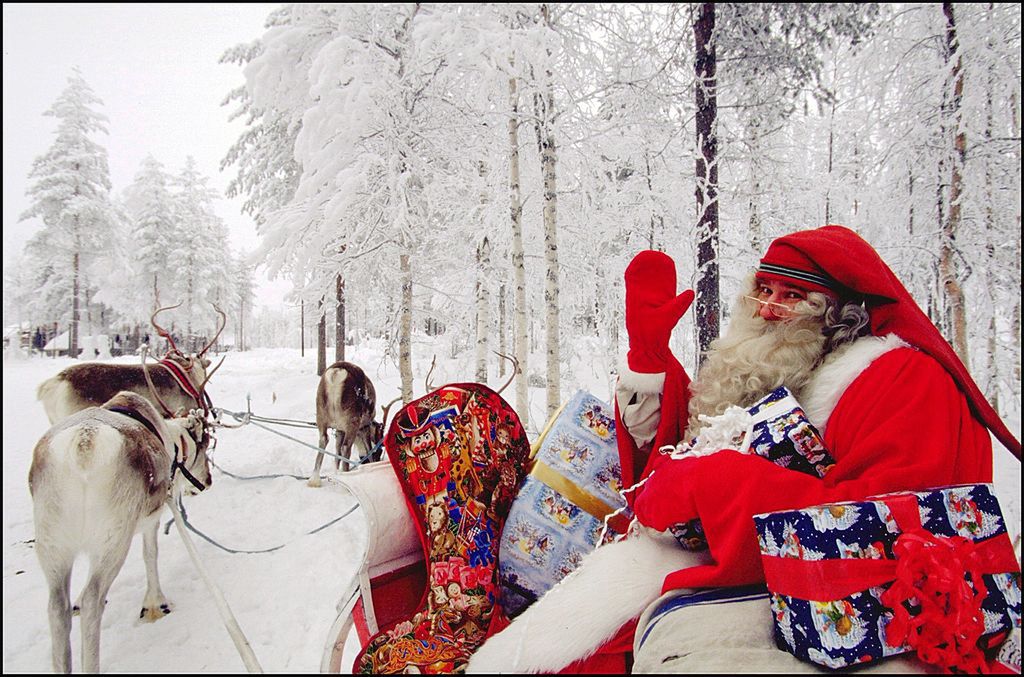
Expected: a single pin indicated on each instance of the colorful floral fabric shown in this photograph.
(460, 453)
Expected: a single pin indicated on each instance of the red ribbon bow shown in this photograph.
(930, 575)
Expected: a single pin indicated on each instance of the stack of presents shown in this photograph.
(501, 523)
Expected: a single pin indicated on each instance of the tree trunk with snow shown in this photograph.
(321, 339)
(950, 273)
(73, 333)
(707, 305)
(502, 340)
(520, 338)
(1015, 336)
(339, 318)
(544, 103)
(405, 327)
(483, 304)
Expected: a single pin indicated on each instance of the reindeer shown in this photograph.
(179, 384)
(345, 402)
(97, 478)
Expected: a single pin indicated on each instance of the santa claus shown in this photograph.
(823, 315)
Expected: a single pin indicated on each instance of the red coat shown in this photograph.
(901, 425)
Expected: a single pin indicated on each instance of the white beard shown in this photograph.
(753, 358)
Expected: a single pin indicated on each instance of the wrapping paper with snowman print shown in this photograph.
(840, 577)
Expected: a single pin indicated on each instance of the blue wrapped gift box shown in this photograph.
(828, 568)
(776, 429)
(558, 514)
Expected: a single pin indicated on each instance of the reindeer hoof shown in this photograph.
(313, 482)
(155, 613)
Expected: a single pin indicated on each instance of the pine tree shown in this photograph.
(151, 207)
(70, 193)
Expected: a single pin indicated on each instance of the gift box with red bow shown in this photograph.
(932, 572)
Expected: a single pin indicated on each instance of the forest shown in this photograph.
(485, 172)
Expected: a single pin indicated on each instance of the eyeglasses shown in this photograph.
(780, 306)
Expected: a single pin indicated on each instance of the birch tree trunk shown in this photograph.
(707, 306)
(992, 344)
(483, 303)
(502, 339)
(321, 339)
(339, 318)
(950, 279)
(521, 347)
(1015, 115)
(405, 328)
(73, 333)
(754, 225)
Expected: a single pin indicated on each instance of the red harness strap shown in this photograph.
(182, 379)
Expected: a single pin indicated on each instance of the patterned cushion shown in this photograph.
(460, 453)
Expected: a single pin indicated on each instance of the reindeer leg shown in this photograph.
(154, 605)
(342, 447)
(314, 479)
(57, 568)
(102, 571)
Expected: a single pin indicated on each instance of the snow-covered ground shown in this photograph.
(284, 601)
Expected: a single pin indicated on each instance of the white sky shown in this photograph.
(155, 66)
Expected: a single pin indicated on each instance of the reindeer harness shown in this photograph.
(185, 383)
(176, 463)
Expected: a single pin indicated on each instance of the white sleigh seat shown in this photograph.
(392, 576)
(726, 630)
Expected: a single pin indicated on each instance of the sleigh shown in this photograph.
(712, 630)
(392, 574)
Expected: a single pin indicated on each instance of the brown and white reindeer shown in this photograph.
(178, 381)
(97, 478)
(345, 402)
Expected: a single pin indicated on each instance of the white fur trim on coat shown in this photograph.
(838, 371)
(638, 382)
(612, 586)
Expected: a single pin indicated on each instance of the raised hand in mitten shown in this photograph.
(652, 310)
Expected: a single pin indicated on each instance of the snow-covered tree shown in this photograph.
(151, 207)
(70, 194)
(204, 274)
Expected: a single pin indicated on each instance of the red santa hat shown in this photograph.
(834, 258)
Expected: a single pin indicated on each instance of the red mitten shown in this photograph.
(652, 310)
(666, 498)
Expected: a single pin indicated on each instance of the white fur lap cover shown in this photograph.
(584, 610)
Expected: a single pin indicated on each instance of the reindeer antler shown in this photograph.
(426, 381)
(387, 408)
(152, 389)
(160, 330)
(202, 386)
(515, 369)
(223, 323)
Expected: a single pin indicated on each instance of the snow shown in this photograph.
(284, 601)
